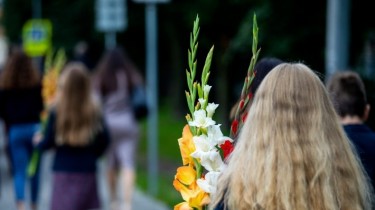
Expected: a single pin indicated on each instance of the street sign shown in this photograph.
(111, 15)
(151, 1)
(37, 37)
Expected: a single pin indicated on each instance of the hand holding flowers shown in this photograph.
(52, 69)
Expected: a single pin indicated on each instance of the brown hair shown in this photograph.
(348, 94)
(292, 152)
(115, 61)
(19, 72)
(78, 115)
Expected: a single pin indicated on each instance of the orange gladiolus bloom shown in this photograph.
(194, 196)
(186, 146)
(183, 206)
(185, 183)
(186, 175)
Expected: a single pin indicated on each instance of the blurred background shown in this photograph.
(327, 35)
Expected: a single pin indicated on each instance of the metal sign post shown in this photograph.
(337, 36)
(152, 91)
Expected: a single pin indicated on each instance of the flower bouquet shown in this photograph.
(203, 146)
(52, 68)
(202, 140)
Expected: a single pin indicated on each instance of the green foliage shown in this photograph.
(169, 154)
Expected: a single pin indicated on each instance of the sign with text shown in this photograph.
(111, 15)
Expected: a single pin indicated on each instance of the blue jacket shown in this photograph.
(363, 138)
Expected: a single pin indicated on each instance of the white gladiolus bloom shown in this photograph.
(211, 107)
(212, 161)
(206, 90)
(214, 133)
(209, 183)
(201, 120)
(203, 145)
(202, 101)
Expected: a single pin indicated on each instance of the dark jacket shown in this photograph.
(363, 139)
(81, 159)
(18, 106)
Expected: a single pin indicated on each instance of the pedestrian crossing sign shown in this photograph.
(37, 37)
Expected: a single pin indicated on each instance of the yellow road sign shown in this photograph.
(37, 37)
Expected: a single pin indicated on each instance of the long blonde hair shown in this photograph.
(292, 152)
(78, 115)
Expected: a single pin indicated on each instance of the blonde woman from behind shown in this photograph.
(292, 152)
(76, 130)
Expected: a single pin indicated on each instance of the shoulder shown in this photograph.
(361, 135)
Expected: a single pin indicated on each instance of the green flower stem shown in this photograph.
(250, 74)
(206, 68)
(33, 165)
(191, 73)
(198, 168)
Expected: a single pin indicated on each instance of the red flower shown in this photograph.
(242, 102)
(227, 148)
(234, 127)
(250, 96)
(244, 116)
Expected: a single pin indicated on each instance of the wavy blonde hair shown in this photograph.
(292, 152)
(78, 115)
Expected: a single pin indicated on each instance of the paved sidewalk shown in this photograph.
(141, 201)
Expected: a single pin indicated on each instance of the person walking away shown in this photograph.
(20, 106)
(115, 77)
(292, 152)
(348, 95)
(76, 130)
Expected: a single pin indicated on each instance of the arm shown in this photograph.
(48, 140)
(102, 140)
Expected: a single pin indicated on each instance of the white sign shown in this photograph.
(111, 15)
(151, 1)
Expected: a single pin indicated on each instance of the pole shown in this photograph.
(152, 96)
(337, 36)
(110, 40)
(37, 9)
(37, 14)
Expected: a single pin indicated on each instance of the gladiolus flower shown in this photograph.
(186, 175)
(215, 135)
(193, 196)
(206, 90)
(212, 161)
(202, 101)
(211, 107)
(234, 127)
(242, 102)
(201, 120)
(186, 146)
(227, 148)
(183, 206)
(199, 200)
(244, 116)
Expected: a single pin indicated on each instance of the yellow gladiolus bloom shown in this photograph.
(186, 146)
(194, 196)
(183, 206)
(186, 175)
(200, 199)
